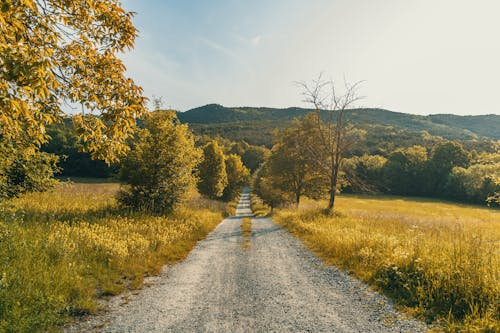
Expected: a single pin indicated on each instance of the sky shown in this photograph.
(413, 56)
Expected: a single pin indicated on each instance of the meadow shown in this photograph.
(62, 250)
(438, 260)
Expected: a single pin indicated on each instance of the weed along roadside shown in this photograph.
(62, 250)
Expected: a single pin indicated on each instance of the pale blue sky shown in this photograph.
(415, 56)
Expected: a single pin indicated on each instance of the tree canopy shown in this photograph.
(212, 171)
(59, 53)
(160, 168)
(237, 176)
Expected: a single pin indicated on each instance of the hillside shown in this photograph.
(248, 121)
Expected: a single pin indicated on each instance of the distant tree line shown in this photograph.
(440, 169)
(445, 170)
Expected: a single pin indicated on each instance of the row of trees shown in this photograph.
(164, 164)
(221, 176)
(446, 170)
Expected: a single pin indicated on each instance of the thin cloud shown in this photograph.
(256, 40)
(220, 48)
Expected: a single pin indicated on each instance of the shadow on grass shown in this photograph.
(28, 216)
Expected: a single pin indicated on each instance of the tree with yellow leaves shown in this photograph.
(65, 51)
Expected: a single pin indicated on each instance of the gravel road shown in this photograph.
(267, 283)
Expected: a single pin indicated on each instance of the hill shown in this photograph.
(256, 124)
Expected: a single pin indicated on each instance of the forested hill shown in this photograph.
(217, 118)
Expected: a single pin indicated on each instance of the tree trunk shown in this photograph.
(331, 202)
(297, 199)
(333, 191)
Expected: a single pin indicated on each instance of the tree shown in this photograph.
(212, 171)
(237, 176)
(365, 173)
(157, 103)
(405, 171)
(254, 156)
(160, 169)
(65, 51)
(25, 170)
(443, 158)
(335, 134)
(478, 183)
(264, 185)
(290, 164)
(73, 162)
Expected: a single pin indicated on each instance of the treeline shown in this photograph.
(165, 163)
(430, 168)
(379, 139)
(444, 170)
(65, 144)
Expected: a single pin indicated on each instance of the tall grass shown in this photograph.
(62, 250)
(438, 260)
(259, 208)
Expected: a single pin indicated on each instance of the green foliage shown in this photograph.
(291, 164)
(159, 170)
(365, 174)
(265, 187)
(405, 171)
(387, 130)
(73, 161)
(212, 171)
(237, 176)
(254, 156)
(443, 158)
(57, 51)
(477, 183)
(25, 170)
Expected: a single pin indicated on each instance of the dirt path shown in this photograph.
(272, 285)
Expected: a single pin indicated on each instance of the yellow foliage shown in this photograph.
(58, 50)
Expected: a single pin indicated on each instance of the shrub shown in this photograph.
(159, 169)
(25, 170)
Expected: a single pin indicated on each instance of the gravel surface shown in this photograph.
(269, 284)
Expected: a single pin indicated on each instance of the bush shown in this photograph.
(159, 169)
(25, 170)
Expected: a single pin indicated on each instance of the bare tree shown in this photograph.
(157, 103)
(335, 135)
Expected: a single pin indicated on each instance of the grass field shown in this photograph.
(62, 250)
(438, 260)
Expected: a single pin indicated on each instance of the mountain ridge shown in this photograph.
(448, 126)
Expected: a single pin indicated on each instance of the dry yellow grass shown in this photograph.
(61, 250)
(259, 208)
(438, 260)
